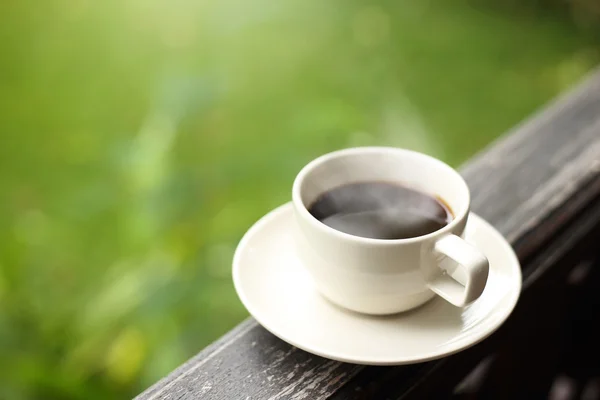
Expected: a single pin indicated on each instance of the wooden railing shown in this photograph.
(540, 186)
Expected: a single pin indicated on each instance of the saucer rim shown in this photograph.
(458, 346)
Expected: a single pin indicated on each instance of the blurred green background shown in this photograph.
(141, 138)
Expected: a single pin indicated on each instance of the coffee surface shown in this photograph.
(380, 210)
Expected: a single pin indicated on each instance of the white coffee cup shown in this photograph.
(379, 276)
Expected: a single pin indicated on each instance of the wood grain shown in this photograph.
(532, 184)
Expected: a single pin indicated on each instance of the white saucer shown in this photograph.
(280, 295)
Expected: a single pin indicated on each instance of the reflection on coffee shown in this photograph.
(381, 210)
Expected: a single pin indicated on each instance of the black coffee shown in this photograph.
(381, 210)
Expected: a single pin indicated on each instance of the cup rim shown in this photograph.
(299, 205)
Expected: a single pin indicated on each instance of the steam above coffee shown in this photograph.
(380, 210)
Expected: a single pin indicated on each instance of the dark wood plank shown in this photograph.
(531, 185)
(270, 369)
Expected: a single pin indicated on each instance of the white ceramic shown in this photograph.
(279, 292)
(377, 276)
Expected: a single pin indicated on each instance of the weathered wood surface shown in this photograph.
(539, 185)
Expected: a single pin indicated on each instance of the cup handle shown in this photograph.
(470, 277)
